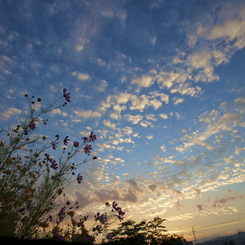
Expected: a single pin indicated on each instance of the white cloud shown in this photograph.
(81, 76)
(163, 115)
(102, 85)
(134, 118)
(162, 147)
(9, 113)
(103, 146)
(231, 29)
(216, 124)
(114, 115)
(87, 113)
(79, 47)
(145, 124)
(178, 100)
(168, 79)
(58, 111)
(202, 61)
(109, 124)
(163, 97)
(151, 117)
(185, 89)
(219, 57)
(127, 130)
(225, 34)
(149, 136)
(145, 81)
(136, 102)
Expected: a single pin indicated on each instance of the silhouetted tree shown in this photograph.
(144, 233)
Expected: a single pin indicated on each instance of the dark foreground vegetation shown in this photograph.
(127, 241)
(128, 233)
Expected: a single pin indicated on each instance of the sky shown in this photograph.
(162, 85)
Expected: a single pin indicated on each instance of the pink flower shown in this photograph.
(87, 149)
(79, 178)
(66, 140)
(67, 96)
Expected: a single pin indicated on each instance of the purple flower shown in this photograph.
(79, 224)
(101, 217)
(85, 139)
(66, 140)
(87, 149)
(114, 205)
(54, 165)
(57, 235)
(54, 144)
(32, 125)
(79, 178)
(92, 137)
(67, 96)
(75, 144)
(62, 214)
(119, 211)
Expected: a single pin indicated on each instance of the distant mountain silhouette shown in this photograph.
(237, 239)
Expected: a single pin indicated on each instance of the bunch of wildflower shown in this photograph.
(77, 231)
(30, 177)
(104, 220)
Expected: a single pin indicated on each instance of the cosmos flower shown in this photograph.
(87, 149)
(101, 217)
(85, 139)
(54, 165)
(92, 137)
(67, 96)
(54, 144)
(79, 178)
(62, 214)
(66, 140)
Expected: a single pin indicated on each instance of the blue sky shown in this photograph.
(161, 84)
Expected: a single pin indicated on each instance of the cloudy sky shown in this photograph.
(161, 84)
